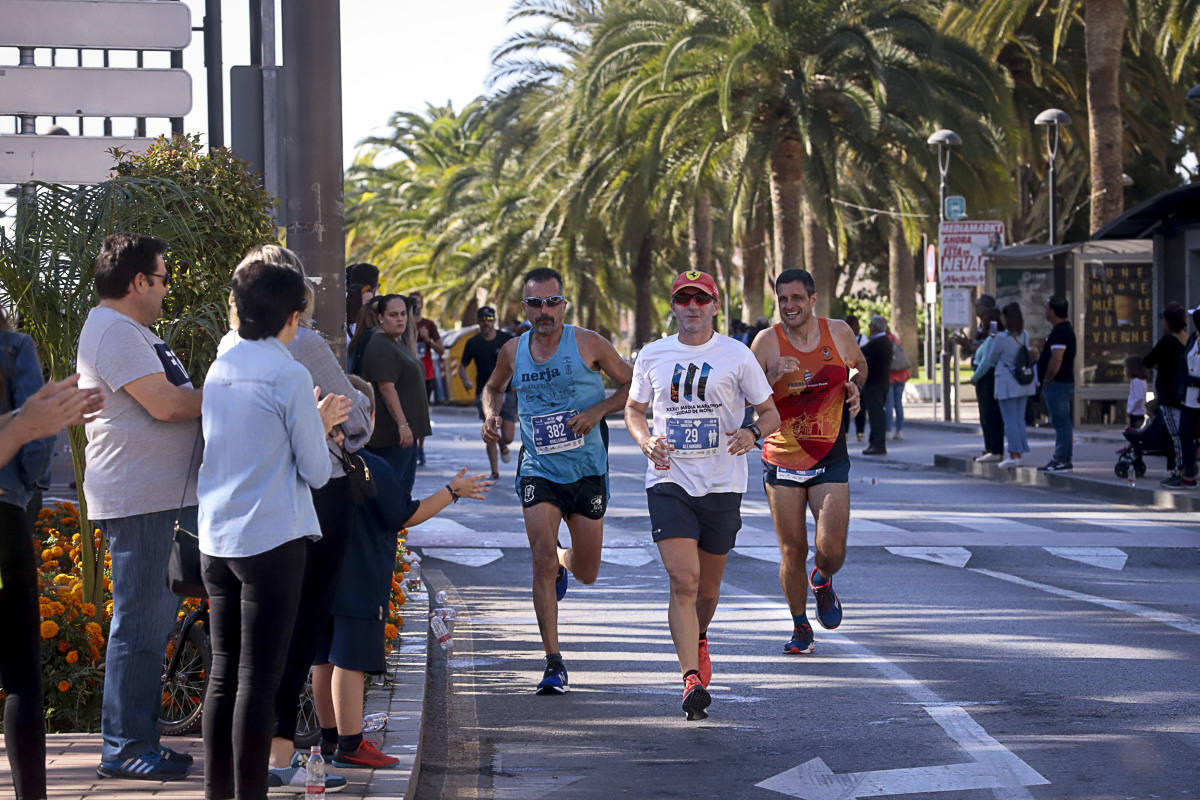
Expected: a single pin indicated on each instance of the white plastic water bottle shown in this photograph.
(441, 632)
(314, 782)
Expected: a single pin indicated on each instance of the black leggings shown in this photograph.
(20, 656)
(321, 570)
(252, 606)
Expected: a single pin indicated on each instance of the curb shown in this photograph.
(1075, 484)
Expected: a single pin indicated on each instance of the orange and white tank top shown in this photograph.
(811, 403)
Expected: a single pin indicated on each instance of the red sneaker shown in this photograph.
(695, 698)
(366, 756)
(705, 664)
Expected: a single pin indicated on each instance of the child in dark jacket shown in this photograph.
(353, 643)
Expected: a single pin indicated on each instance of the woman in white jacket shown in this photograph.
(1011, 394)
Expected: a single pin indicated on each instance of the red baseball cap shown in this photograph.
(698, 280)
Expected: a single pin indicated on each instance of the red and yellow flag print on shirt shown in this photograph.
(811, 402)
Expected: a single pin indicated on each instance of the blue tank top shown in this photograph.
(548, 394)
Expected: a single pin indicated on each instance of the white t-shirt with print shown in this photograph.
(697, 394)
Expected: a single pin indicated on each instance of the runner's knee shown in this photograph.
(684, 582)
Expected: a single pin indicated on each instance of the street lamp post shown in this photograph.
(944, 139)
(1052, 118)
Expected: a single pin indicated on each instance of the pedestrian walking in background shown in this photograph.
(1002, 357)
(26, 445)
(1056, 371)
(141, 460)
(860, 419)
(483, 349)
(877, 353)
(397, 375)
(1166, 359)
(698, 383)
(807, 360)
(898, 375)
(256, 510)
(1135, 405)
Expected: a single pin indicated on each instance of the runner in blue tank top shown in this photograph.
(562, 472)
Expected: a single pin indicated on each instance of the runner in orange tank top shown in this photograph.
(808, 360)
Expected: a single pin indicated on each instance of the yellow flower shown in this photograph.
(49, 629)
(47, 555)
(61, 578)
(93, 629)
(57, 550)
(72, 656)
(63, 686)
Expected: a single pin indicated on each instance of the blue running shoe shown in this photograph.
(174, 756)
(150, 766)
(560, 583)
(801, 641)
(554, 679)
(829, 610)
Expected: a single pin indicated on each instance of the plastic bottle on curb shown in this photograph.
(314, 781)
(440, 632)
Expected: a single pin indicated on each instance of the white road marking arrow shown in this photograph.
(993, 767)
(469, 557)
(626, 556)
(950, 556)
(1105, 557)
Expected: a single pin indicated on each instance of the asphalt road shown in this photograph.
(998, 642)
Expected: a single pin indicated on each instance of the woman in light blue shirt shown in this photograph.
(264, 450)
(1011, 395)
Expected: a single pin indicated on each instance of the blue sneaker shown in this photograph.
(829, 610)
(174, 756)
(293, 780)
(801, 641)
(554, 679)
(560, 583)
(150, 766)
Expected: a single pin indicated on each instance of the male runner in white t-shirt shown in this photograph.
(699, 383)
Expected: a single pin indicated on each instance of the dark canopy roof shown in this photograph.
(1174, 205)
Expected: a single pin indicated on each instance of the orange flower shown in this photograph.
(63, 686)
(390, 632)
(49, 629)
(64, 646)
(88, 609)
(72, 656)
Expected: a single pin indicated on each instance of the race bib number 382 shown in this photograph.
(551, 434)
(693, 437)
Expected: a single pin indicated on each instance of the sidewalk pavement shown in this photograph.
(71, 758)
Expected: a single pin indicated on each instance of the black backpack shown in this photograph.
(1023, 369)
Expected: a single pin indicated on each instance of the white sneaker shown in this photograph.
(897, 436)
(988, 458)
(1010, 463)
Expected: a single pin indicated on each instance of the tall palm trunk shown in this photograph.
(787, 178)
(642, 272)
(818, 258)
(754, 264)
(700, 234)
(901, 284)
(1104, 32)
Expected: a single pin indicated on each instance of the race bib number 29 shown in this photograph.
(551, 434)
(693, 437)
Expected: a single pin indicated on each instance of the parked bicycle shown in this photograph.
(185, 677)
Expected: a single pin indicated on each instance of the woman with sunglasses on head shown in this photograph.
(391, 365)
(562, 469)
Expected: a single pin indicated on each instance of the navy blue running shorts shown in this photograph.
(838, 472)
(713, 520)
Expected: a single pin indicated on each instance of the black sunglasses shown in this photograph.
(166, 277)
(683, 298)
(552, 301)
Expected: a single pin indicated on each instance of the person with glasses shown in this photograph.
(807, 360)
(141, 460)
(699, 383)
(562, 468)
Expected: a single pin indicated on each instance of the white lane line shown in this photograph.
(1103, 557)
(983, 522)
(768, 554)
(1179, 621)
(468, 557)
(949, 556)
(627, 556)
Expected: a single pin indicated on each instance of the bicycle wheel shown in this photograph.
(183, 689)
(308, 727)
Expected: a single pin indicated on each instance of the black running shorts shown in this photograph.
(587, 496)
(713, 520)
(837, 472)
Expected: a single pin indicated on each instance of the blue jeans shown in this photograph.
(404, 461)
(1012, 410)
(1058, 403)
(143, 614)
(894, 403)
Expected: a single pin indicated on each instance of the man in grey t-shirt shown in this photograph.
(142, 455)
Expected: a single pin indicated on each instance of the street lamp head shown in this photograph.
(944, 136)
(1053, 116)
(1194, 92)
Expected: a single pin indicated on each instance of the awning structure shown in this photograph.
(1179, 205)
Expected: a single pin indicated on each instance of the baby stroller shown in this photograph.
(1152, 439)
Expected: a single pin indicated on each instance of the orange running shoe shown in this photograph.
(368, 755)
(705, 664)
(695, 698)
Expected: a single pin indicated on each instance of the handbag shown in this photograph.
(363, 486)
(900, 359)
(183, 565)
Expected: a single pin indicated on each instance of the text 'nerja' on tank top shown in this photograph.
(811, 402)
(548, 394)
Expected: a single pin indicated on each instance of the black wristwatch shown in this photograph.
(753, 429)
